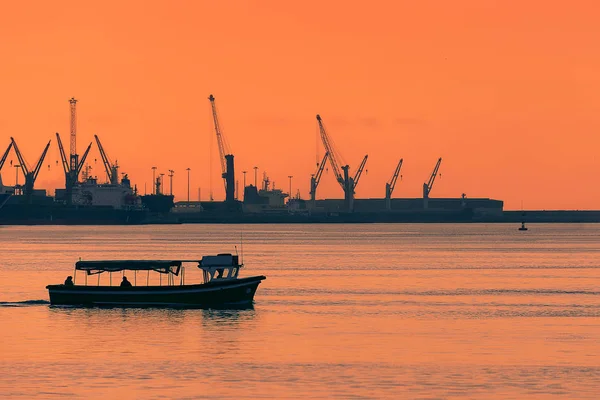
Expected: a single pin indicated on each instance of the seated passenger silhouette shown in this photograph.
(69, 281)
(125, 282)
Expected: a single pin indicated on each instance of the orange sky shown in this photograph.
(508, 93)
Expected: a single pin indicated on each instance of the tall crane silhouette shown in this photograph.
(73, 165)
(112, 170)
(342, 176)
(2, 161)
(29, 174)
(5, 155)
(73, 156)
(71, 174)
(429, 185)
(225, 156)
(315, 179)
(389, 187)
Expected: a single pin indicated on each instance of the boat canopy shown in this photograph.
(161, 266)
(221, 260)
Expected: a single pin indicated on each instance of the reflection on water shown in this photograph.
(373, 311)
(229, 316)
(24, 303)
(151, 315)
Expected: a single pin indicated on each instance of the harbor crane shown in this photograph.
(315, 179)
(429, 185)
(389, 187)
(112, 170)
(72, 171)
(347, 183)
(2, 161)
(73, 156)
(358, 174)
(30, 175)
(5, 155)
(225, 156)
(73, 165)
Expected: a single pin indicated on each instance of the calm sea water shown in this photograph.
(347, 311)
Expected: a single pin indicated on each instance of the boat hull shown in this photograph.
(224, 293)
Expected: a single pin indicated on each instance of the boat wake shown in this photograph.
(24, 303)
(433, 293)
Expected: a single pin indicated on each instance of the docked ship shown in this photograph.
(45, 210)
(91, 203)
(117, 195)
(80, 202)
(158, 202)
(268, 199)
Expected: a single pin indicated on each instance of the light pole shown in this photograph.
(171, 173)
(256, 177)
(244, 172)
(17, 166)
(290, 176)
(154, 180)
(188, 171)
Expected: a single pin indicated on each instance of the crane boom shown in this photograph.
(30, 176)
(359, 171)
(63, 156)
(105, 159)
(3, 159)
(392, 183)
(223, 148)
(332, 155)
(22, 162)
(226, 158)
(316, 178)
(40, 162)
(429, 185)
(83, 158)
(389, 187)
(320, 169)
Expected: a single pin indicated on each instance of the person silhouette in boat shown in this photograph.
(69, 281)
(125, 282)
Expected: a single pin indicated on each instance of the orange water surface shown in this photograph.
(347, 311)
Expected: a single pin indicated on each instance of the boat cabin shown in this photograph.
(221, 267)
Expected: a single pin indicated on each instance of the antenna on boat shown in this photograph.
(242, 245)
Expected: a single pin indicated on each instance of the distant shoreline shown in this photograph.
(416, 217)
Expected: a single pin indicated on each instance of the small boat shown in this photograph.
(221, 286)
(522, 227)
